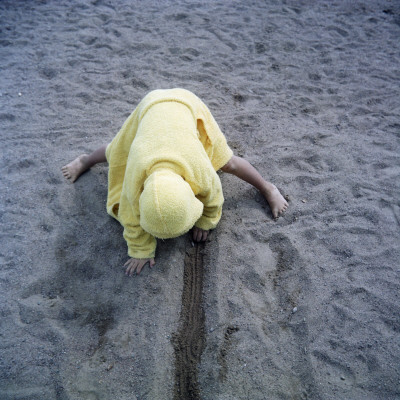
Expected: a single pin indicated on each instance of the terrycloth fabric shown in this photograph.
(170, 143)
(166, 213)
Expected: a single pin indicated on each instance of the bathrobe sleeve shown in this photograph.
(118, 150)
(117, 155)
(212, 139)
(212, 199)
(140, 243)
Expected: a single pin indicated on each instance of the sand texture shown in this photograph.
(306, 307)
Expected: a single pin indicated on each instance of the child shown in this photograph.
(162, 178)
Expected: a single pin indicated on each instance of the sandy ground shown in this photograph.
(303, 308)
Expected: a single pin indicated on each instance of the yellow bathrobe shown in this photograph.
(170, 144)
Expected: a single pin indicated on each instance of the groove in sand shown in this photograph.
(190, 339)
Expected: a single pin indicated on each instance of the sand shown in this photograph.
(306, 307)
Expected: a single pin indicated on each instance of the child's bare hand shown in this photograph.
(199, 235)
(136, 264)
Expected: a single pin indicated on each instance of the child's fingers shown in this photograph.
(129, 269)
(136, 265)
(197, 235)
(128, 262)
(140, 265)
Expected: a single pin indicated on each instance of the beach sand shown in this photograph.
(305, 307)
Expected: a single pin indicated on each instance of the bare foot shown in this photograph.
(275, 200)
(76, 168)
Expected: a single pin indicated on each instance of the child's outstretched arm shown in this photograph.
(244, 170)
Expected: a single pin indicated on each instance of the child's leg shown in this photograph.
(244, 170)
(76, 168)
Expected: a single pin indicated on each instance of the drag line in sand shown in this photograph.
(190, 339)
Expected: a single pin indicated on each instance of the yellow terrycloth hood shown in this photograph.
(168, 206)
